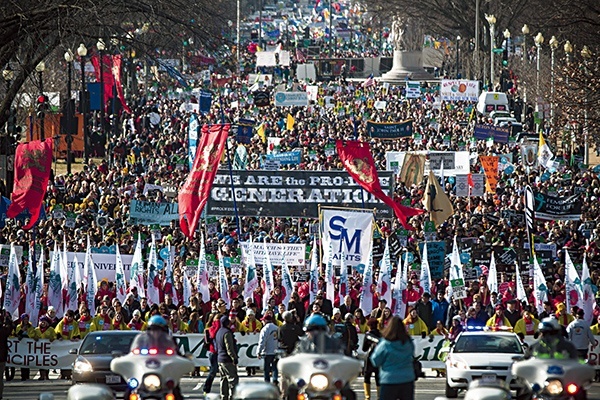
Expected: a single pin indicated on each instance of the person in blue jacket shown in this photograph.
(393, 355)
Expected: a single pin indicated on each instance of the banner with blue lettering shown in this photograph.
(393, 130)
(286, 158)
(348, 232)
(500, 134)
(436, 253)
(205, 101)
(151, 213)
(193, 129)
(245, 130)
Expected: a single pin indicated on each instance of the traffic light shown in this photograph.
(42, 105)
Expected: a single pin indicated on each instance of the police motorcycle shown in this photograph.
(553, 378)
(153, 369)
(318, 369)
(484, 390)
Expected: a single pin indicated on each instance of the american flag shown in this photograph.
(369, 82)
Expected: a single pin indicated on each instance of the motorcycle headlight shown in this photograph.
(81, 365)
(319, 382)
(152, 382)
(554, 387)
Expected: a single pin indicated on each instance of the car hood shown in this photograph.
(485, 360)
(99, 362)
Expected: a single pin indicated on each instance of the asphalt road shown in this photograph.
(428, 388)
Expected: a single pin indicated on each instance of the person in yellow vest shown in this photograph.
(137, 323)
(176, 324)
(22, 331)
(44, 331)
(564, 319)
(102, 321)
(498, 320)
(596, 329)
(118, 324)
(360, 321)
(251, 325)
(67, 328)
(415, 325)
(84, 324)
(527, 326)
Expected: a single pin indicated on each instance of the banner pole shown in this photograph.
(355, 128)
(235, 208)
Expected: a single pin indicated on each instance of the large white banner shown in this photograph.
(294, 254)
(455, 162)
(286, 99)
(272, 58)
(350, 233)
(459, 90)
(105, 264)
(43, 354)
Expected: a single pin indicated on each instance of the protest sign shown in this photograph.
(149, 213)
(390, 130)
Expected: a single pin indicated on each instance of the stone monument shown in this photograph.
(408, 52)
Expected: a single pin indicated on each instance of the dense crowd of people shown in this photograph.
(149, 147)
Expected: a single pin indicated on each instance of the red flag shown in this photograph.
(194, 194)
(33, 162)
(358, 161)
(107, 75)
(470, 180)
(116, 71)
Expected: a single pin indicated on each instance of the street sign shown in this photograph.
(500, 50)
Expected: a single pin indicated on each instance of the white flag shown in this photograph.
(287, 283)
(187, 290)
(385, 275)
(137, 269)
(251, 276)
(223, 284)
(314, 272)
(588, 291)
(267, 278)
(492, 280)
(400, 286)
(169, 275)
(39, 291)
(425, 278)
(343, 286)
(154, 283)
(30, 287)
(540, 288)
(456, 268)
(366, 297)
(12, 291)
(64, 275)
(545, 155)
(92, 280)
(120, 283)
(573, 285)
(54, 282)
(521, 294)
(202, 273)
(330, 275)
(74, 285)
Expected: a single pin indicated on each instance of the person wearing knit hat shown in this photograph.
(562, 316)
(498, 321)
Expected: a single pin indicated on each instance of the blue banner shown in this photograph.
(245, 130)
(500, 134)
(286, 158)
(436, 253)
(151, 213)
(205, 101)
(94, 91)
(393, 130)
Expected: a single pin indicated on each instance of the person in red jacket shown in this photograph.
(210, 333)
(104, 290)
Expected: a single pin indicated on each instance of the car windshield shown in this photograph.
(488, 344)
(105, 344)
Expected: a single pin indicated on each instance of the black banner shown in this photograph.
(557, 208)
(394, 130)
(292, 193)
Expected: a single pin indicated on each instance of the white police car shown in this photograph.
(484, 355)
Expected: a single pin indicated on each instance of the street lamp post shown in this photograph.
(525, 32)
(568, 50)
(457, 56)
(553, 46)
(491, 19)
(69, 138)
(101, 47)
(5, 141)
(82, 52)
(586, 54)
(539, 39)
(42, 114)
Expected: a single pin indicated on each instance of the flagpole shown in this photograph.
(362, 193)
(235, 208)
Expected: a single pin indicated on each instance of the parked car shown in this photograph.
(94, 355)
(482, 355)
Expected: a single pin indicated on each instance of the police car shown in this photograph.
(481, 354)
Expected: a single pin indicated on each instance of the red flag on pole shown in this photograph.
(116, 71)
(194, 194)
(33, 162)
(107, 75)
(358, 161)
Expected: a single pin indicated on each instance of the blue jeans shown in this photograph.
(270, 366)
(214, 368)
